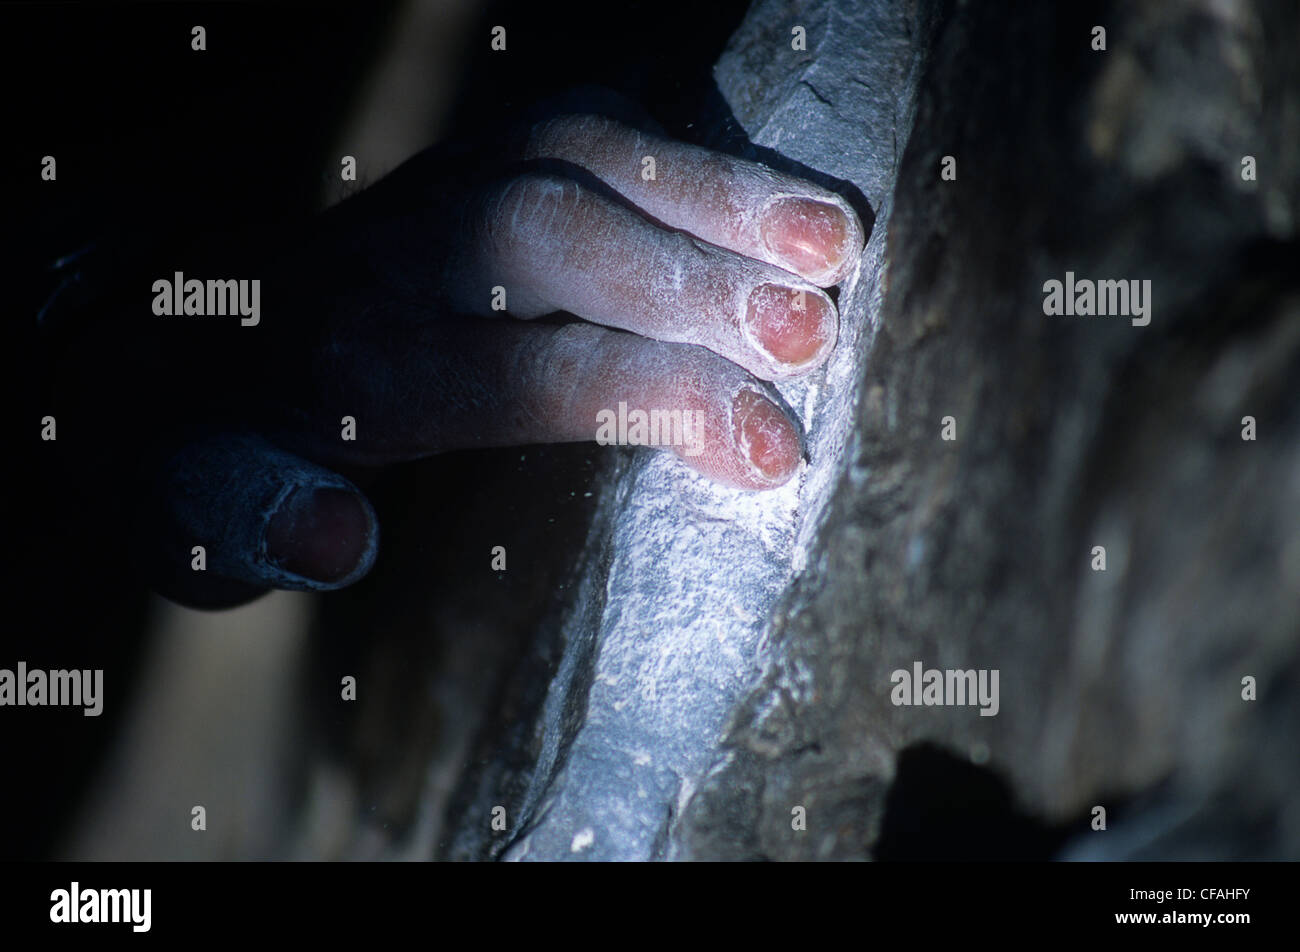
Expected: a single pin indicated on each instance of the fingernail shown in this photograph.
(323, 534)
(765, 436)
(809, 236)
(796, 327)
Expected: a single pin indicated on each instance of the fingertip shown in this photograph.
(765, 438)
(817, 239)
(795, 327)
(324, 535)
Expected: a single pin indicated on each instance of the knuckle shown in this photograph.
(532, 207)
(553, 370)
(562, 135)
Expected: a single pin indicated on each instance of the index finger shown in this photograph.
(734, 203)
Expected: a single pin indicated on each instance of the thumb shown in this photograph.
(229, 515)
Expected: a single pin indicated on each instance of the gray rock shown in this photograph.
(1117, 686)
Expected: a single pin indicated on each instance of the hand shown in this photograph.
(387, 314)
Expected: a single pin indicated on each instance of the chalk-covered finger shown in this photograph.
(625, 389)
(549, 244)
(471, 383)
(731, 202)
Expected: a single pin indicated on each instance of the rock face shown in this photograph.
(1120, 688)
(713, 677)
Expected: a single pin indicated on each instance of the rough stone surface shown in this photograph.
(1119, 688)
